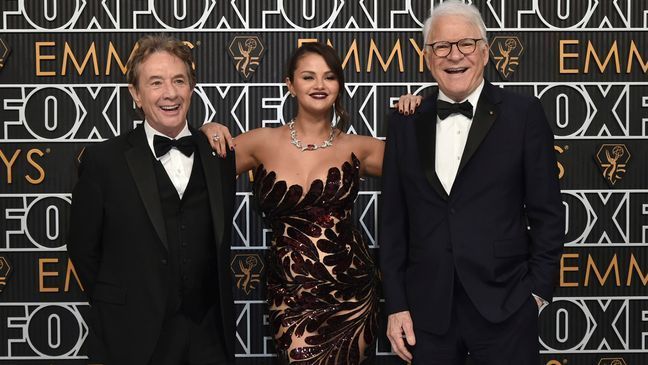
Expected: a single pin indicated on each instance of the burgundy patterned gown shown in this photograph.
(322, 279)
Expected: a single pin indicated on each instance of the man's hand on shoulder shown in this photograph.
(399, 326)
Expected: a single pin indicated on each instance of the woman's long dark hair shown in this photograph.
(333, 61)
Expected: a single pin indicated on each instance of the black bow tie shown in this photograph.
(162, 145)
(445, 109)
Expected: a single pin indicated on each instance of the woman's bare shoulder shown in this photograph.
(358, 140)
(260, 133)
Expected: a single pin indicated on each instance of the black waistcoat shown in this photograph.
(192, 250)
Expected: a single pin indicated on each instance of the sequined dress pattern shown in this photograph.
(322, 279)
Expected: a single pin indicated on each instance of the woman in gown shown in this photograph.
(321, 280)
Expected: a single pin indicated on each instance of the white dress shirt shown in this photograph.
(177, 165)
(451, 136)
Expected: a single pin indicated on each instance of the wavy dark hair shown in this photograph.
(333, 61)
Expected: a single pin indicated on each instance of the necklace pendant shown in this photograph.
(309, 147)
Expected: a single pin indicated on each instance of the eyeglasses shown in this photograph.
(443, 48)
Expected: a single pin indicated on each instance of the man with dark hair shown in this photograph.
(150, 227)
(472, 220)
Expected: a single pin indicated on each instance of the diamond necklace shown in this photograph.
(309, 147)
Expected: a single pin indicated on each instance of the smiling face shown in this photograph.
(458, 75)
(314, 84)
(163, 91)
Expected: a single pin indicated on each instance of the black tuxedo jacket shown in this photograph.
(118, 244)
(500, 229)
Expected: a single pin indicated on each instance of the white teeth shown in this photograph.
(169, 108)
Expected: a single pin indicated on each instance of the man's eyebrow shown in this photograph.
(173, 77)
(314, 72)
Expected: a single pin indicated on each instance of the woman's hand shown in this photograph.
(219, 137)
(408, 103)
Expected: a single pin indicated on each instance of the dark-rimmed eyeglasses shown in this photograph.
(443, 48)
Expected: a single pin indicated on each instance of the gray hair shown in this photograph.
(453, 7)
(150, 44)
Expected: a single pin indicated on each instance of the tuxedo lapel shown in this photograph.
(426, 140)
(485, 116)
(211, 168)
(139, 160)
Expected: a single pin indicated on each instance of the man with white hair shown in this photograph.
(472, 220)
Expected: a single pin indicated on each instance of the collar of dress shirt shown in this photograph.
(151, 132)
(473, 98)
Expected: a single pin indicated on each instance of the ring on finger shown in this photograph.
(215, 138)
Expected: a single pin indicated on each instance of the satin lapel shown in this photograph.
(426, 140)
(211, 167)
(485, 116)
(139, 160)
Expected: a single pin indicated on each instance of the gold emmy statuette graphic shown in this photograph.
(4, 52)
(506, 52)
(612, 361)
(247, 270)
(5, 269)
(246, 51)
(613, 160)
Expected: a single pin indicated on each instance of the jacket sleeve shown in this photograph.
(543, 202)
(86, 220)
(394, 223)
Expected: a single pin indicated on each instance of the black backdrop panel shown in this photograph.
(62, 88)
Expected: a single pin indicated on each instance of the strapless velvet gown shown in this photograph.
(321, 277)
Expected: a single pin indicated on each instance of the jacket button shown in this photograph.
(163, 261)
(452, 211)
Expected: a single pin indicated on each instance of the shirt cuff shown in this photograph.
(544, 302)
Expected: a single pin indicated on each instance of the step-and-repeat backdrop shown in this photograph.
(62, 87)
